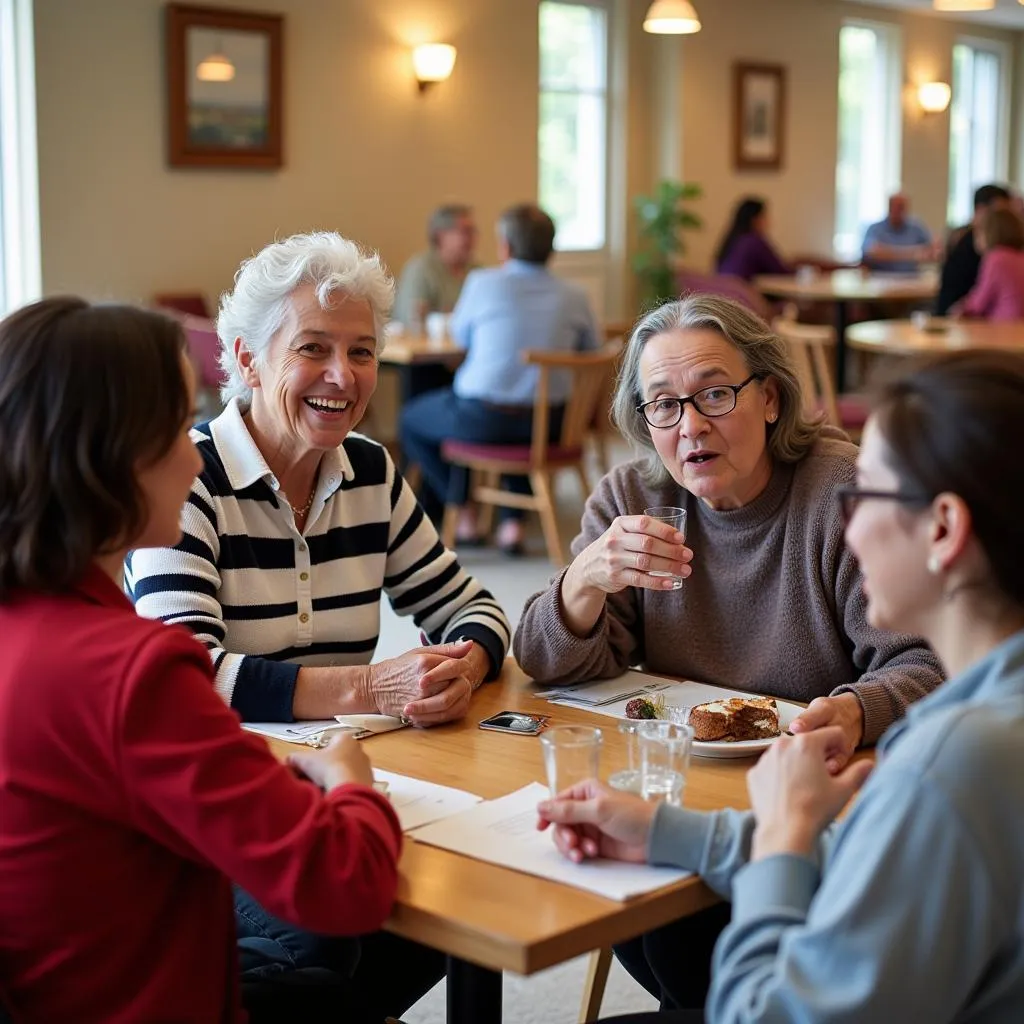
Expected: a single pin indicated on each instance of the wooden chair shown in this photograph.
(540, 459)
(812, 347)
(601, 427)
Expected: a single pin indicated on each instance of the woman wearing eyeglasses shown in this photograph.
(912, 908)
(771, 600)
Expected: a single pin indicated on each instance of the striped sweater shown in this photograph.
(265, 599)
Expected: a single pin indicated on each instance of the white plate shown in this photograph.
(746, 748)
(686, 693)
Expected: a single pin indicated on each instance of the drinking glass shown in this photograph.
(664, 761)
(572, 753)
(676, 518)
(628, 779)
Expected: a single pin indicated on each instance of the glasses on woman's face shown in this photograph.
(851, 497)
(716, 400)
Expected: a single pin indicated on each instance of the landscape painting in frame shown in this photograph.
(224, 87)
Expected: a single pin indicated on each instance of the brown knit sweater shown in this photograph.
(774, 603)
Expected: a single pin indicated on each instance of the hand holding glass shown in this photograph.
(676, 518)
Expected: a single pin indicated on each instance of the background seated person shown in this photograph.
(999, 292)
(900, 243)
(912, 907)
(963, 259)
(502, 312)
(745, 251)
(431, 281)
(129, 796)
(297, 525)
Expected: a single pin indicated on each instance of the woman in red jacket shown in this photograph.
(129, 796)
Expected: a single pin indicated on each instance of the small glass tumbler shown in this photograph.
(676, 518)
(628, 779)
(572, 753)
(664, 761)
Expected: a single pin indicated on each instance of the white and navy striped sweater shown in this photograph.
(265, 599)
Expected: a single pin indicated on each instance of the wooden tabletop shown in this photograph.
(419, 350)
(503, 919)
(844, 285)
(902, 337)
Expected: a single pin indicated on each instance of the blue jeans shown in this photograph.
(288, 973)
(438, 416)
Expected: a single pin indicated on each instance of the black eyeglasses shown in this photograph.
(851, 497)
(716, 400)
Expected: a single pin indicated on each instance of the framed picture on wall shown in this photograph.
(223, 87)
(760, 116)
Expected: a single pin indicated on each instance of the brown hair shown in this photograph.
(1000, 226)
(87, 393)
(529, 232)
(947, 423)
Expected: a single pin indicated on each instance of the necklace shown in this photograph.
(303, 509)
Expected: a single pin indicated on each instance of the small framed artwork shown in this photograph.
(223, 87)
(760, 116)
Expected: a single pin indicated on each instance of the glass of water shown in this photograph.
(628, 779)
(676, 518)
(572, 753)
(664, 761)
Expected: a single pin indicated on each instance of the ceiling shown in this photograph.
(1007, 13)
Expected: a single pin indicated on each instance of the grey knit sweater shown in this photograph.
(774, 604)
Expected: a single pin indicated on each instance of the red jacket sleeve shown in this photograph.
(203, 787)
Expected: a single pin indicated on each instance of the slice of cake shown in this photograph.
(735, 719)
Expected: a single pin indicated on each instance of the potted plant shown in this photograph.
(662, 216)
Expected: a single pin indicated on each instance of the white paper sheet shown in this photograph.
(605, 691)
(418, 803)
(504, 831)
(311, 732)
(371, 723)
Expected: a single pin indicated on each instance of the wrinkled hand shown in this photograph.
(593, 821)
(429, 685)
(794, 794)
(342, 760)
(844, 712)
(627, 551)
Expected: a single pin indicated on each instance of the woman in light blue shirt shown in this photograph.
(911, 908)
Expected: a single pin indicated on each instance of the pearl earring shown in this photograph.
(772, 418)
(933, 565)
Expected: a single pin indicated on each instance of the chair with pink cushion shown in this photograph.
(726, 285)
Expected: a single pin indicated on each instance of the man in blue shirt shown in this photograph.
(502, 312)
(900, 243)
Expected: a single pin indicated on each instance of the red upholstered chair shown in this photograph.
(192, 303)
(540, 459)
(725, 285)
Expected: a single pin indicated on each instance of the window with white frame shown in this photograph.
(19, 190)
(573, 124)
(978, 129)
(868, 164)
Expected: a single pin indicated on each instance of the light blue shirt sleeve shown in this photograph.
(588, 338)
(898, 929)
(460, 326)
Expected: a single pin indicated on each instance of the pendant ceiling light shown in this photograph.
(671, 17)
(963, 5)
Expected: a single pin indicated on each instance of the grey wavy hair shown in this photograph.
(255, 309)
(764, 352)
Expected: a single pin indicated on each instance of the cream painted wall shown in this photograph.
(366, 154)
(802, 35)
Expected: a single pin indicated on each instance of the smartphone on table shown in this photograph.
(515, 721)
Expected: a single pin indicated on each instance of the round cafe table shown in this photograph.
(841, 287)
(903, 338)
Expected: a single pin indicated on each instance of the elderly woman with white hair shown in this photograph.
(296, 526)
(771, 600)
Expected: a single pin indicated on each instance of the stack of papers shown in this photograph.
(504, 832)
(418, 803)
(318, 732)
(606, 692)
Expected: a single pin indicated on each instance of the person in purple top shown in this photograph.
(745, 250)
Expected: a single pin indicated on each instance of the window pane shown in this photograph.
(867, 168)
(572, 135)
(572, 159)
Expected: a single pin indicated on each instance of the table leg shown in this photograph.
(474, 993)
(841, 318)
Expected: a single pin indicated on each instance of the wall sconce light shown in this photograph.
(934, 97)
(432, 62)
(671, 18)
(963, 5)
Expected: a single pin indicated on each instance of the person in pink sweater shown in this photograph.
(999, 292)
